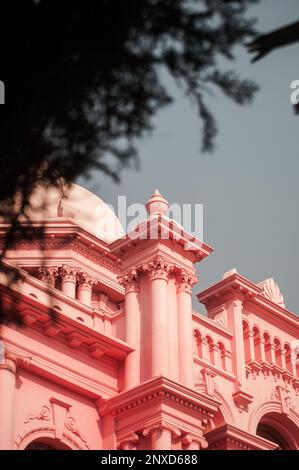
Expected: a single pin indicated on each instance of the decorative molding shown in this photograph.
(48, 274)
(242, 399)
(209, 380)
(255, 367)
(13, 360)
(128, 441)
(44, 414)
(185, 281)
(101, 260)
(61, 422)
(85, 281)
(282, 394)
(190, 438)
(69, 273)
(219, 316)
(229, 437)
(157, 392)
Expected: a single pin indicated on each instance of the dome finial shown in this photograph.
(157, 204)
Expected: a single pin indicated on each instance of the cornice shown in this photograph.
(177, 237)
(217, 371)
(47, 367)
(229, 434)
(163, 389)
(236, 286)
(66, 329)
(64, 233)
(201, 319)
(230, 287)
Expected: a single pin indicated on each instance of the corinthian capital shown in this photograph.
(68, 273)
(130, 281)
(158, 268)
(86, 281)
(48, 274)
(185, 281)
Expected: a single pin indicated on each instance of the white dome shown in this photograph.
(77, 203)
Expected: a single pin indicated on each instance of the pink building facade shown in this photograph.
(113, 355)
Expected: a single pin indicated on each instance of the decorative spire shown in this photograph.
(157, 204)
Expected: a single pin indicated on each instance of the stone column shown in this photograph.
(130, 281)
(161, 436)
(85, 284)
(48, 274)
(7, 402)
(68, 280)
(173, 330)
(235, 323)
(184, 298)
(158, 273)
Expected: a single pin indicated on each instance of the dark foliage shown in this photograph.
(266, 43)
(83, 82)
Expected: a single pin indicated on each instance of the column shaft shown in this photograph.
(173, 331)
(160, 348)
(132, 326)
(161, 439)
(7, 405)
(185, 336)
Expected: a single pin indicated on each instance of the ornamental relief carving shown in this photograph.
(271, 291)
(158, 268)
(59, 419)
(185, 281)
(282, 394)
(130, 281)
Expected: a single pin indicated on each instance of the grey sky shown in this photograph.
(249, 185)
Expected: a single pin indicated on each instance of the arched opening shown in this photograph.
(46, 444)
(279, 429)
